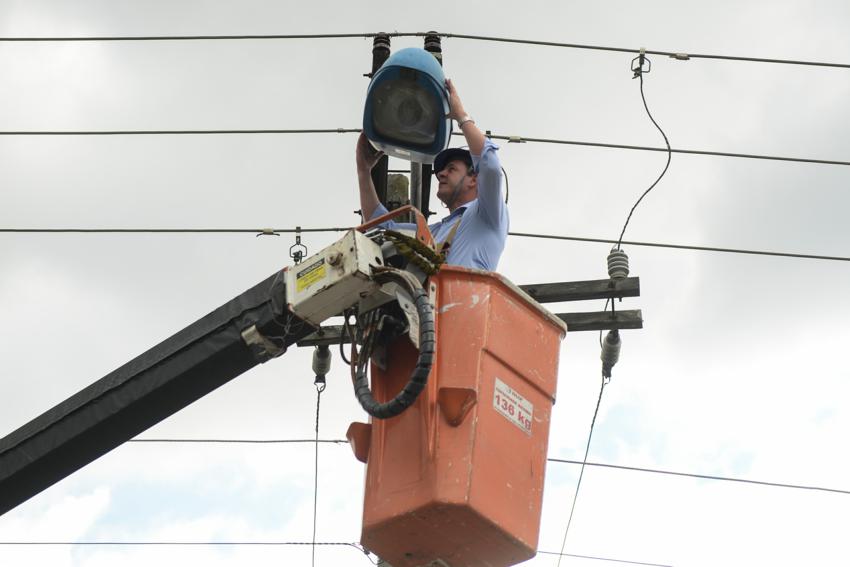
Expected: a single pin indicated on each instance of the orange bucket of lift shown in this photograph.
(457, 479)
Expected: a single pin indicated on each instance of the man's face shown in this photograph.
(449, 178)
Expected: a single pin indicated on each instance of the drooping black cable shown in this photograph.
(427, 346)
(581, 473)
(346, 330)
(666, 166)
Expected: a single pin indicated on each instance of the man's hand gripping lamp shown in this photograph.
(406, 107)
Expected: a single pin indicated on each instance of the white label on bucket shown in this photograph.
(513, 406)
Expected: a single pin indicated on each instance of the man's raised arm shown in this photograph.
(474, 136)
(485, 161)
(366, 158)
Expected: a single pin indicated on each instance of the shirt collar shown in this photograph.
(458, 211)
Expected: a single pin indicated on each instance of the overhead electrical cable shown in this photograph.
(510, 139)
(176, 132)
(522, 139)
(687, 247)
(268, 231)
(356, 546)
(581, 473)
(177, 542)
(681, 56)
(240, 441)
(703, 476)
(612, 560)
(258, 231)
(551, 459)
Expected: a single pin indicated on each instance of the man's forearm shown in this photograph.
(368, 196)
(474, 137)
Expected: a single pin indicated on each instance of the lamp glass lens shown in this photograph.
(406, 111)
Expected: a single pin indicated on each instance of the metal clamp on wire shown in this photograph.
(427, 347)
(641, 60)
(297, 251)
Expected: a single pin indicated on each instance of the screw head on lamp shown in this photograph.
(406, 107)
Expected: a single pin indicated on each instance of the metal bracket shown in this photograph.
(260, 345)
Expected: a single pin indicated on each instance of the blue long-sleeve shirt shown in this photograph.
(480, 237)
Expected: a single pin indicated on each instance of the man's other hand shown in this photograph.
(367, 156)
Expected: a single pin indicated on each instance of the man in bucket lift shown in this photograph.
(470, 184)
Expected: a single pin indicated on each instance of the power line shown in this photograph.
(280, 543)
(240, 441)
(581, 474)
(188, 37)
(521, 139)
(703, 476)
(551, 459)
(681, 56)
(267, 231)
(175, 132)
(672, 54)
(211, 543)
(258, 231)
(510, 139)
(603, 559)
(687, 247)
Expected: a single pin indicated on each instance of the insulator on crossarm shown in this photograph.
(618, 264)
(321, 363)
(610, 352)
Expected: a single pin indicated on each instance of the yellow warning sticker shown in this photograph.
(310, 275)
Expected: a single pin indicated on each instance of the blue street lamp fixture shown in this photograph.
(406, 107)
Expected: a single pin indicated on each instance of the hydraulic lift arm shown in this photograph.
(248, 330)
(244, 332)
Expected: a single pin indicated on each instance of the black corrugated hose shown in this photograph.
(427, 347)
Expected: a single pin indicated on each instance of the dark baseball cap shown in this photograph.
(451, 154)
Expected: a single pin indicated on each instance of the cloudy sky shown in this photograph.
(740, 368)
